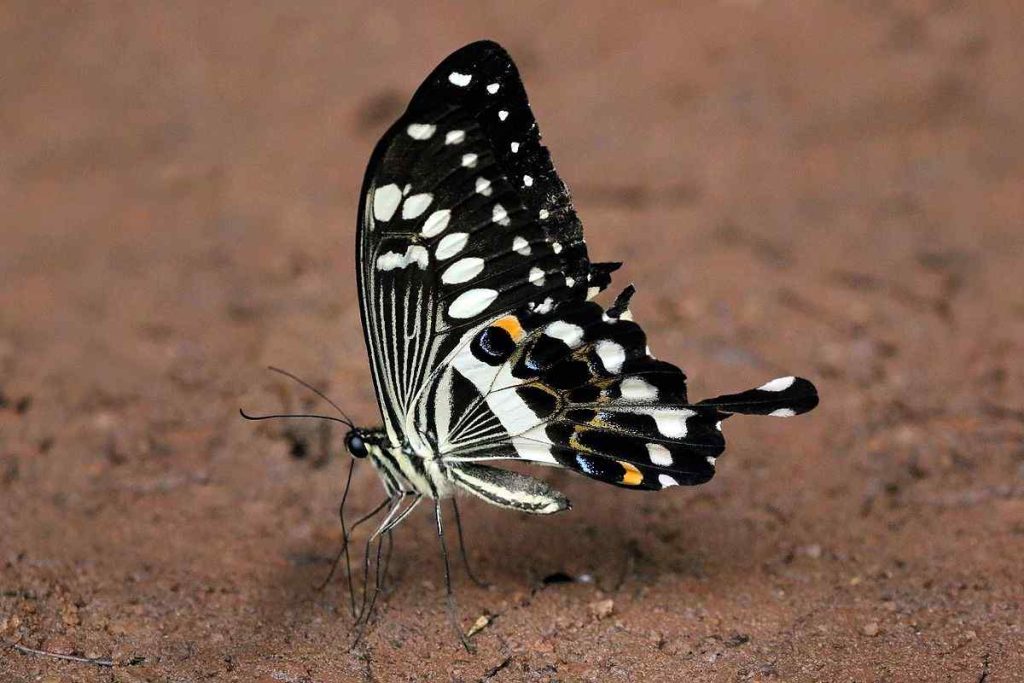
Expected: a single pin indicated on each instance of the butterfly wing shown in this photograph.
(462, 218)
(475, 288)
(579, 388)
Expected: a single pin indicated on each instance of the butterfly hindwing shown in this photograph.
(578, 388)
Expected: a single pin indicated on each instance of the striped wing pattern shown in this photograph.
(475, 291)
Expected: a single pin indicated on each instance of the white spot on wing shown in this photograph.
(461, 80)
(514, 147)
(779, 384)
(483, 186)
(612, 355)
(672, 423)
(537, 276)
(659, 454)
(666, 481)
(469, 160)
(636, 389)
(543, 214)
(385, 201)
(462, 270)
(521, 246)
(556, 246)
(450, 245)
(415, 205)
(499, 215)
(413, 254)
(454, 137)
(502, 115)
(421, 131)
(528, 181)
(545, 306)
(436, 223)
(783, 412)
(470, 303)
(571, 335)
(493, 88)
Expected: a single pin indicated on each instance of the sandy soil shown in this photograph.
(833, 189)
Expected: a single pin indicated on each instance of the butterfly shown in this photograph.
(485, 341)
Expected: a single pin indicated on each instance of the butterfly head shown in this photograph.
(359, 441)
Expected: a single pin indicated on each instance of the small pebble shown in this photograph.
(479, 625)
(871, 629)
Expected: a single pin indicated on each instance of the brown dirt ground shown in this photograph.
(827, 188)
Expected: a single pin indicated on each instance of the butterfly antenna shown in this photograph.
(277, 415)
(316, 391)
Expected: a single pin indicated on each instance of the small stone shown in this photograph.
(479, 625)
(871, 629)
(813, 551)
(602, 609)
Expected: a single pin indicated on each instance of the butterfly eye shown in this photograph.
(356, 446)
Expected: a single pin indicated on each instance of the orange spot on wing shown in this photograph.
(631, 476)
(510, 324)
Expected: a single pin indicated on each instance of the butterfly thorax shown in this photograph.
(406, 468)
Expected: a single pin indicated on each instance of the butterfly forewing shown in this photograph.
(462, 218)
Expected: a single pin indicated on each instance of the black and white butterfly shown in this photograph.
(485, 344)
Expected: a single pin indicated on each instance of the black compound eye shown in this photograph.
(356, 446)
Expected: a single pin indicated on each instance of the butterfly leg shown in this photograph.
(344, 550)
(387, 556)
(382, 533)
(462, 548)
(344, 535)
(388, 527)
(346, 538)
(394, 503)
(453, 612)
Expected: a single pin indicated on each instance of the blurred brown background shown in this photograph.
(829, 188)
